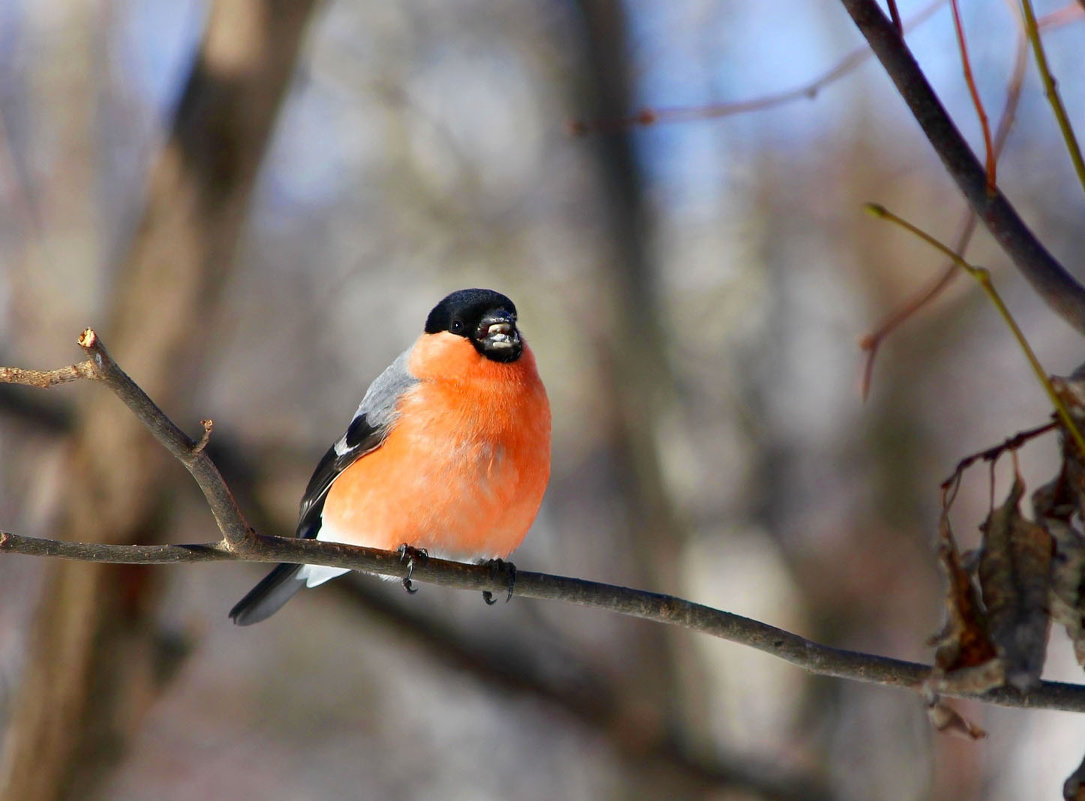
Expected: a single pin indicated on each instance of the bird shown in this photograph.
(447, 455)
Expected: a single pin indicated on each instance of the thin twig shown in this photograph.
(894, 15)
(872, 341)
(711, 111)
(993, 453)
(43, 379)
(208, 425)
(231, 522)
(101, 367)
(973, 90)
(1063, 16)
(1058, 288)
(1051, 91)
(983, 276)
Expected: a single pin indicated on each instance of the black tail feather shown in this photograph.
(267, 597)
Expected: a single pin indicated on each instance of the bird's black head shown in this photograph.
(487, 319)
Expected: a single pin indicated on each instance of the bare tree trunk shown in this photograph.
(91, 669)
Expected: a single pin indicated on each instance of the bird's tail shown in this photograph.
(267, 597)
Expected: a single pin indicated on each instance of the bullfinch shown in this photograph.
(448, 453)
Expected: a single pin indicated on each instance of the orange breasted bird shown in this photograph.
(448, 453)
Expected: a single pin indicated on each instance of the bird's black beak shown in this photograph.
(498, 336)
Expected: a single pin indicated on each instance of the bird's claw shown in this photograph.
(409, 556)
(497, 568)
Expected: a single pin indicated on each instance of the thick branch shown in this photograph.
(1059, 289)
(241, 543)
(811, 656)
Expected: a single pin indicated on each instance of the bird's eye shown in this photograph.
(456, 327)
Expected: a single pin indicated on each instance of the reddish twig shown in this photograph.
(894, 15)
(993, 453)
(807, 91)
(966, 65)
(872, 341)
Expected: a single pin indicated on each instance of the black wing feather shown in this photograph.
(361, 438)
(280, 585)
(267, 597)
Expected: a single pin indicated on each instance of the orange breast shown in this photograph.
(464, 469)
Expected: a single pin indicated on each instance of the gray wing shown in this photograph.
(374, 419)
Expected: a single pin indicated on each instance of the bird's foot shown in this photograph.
(410, 556)
(499, 567)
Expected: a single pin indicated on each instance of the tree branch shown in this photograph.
(241, 543)
(1058, 288)
(101, 367)
(811, 656)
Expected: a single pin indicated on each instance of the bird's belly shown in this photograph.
(463, 498)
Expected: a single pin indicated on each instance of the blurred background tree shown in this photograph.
(694, 293)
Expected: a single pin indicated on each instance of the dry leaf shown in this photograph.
(947, 719)
(1054, 499)
(963, 641)
(1068, 583)
(1015, 577)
